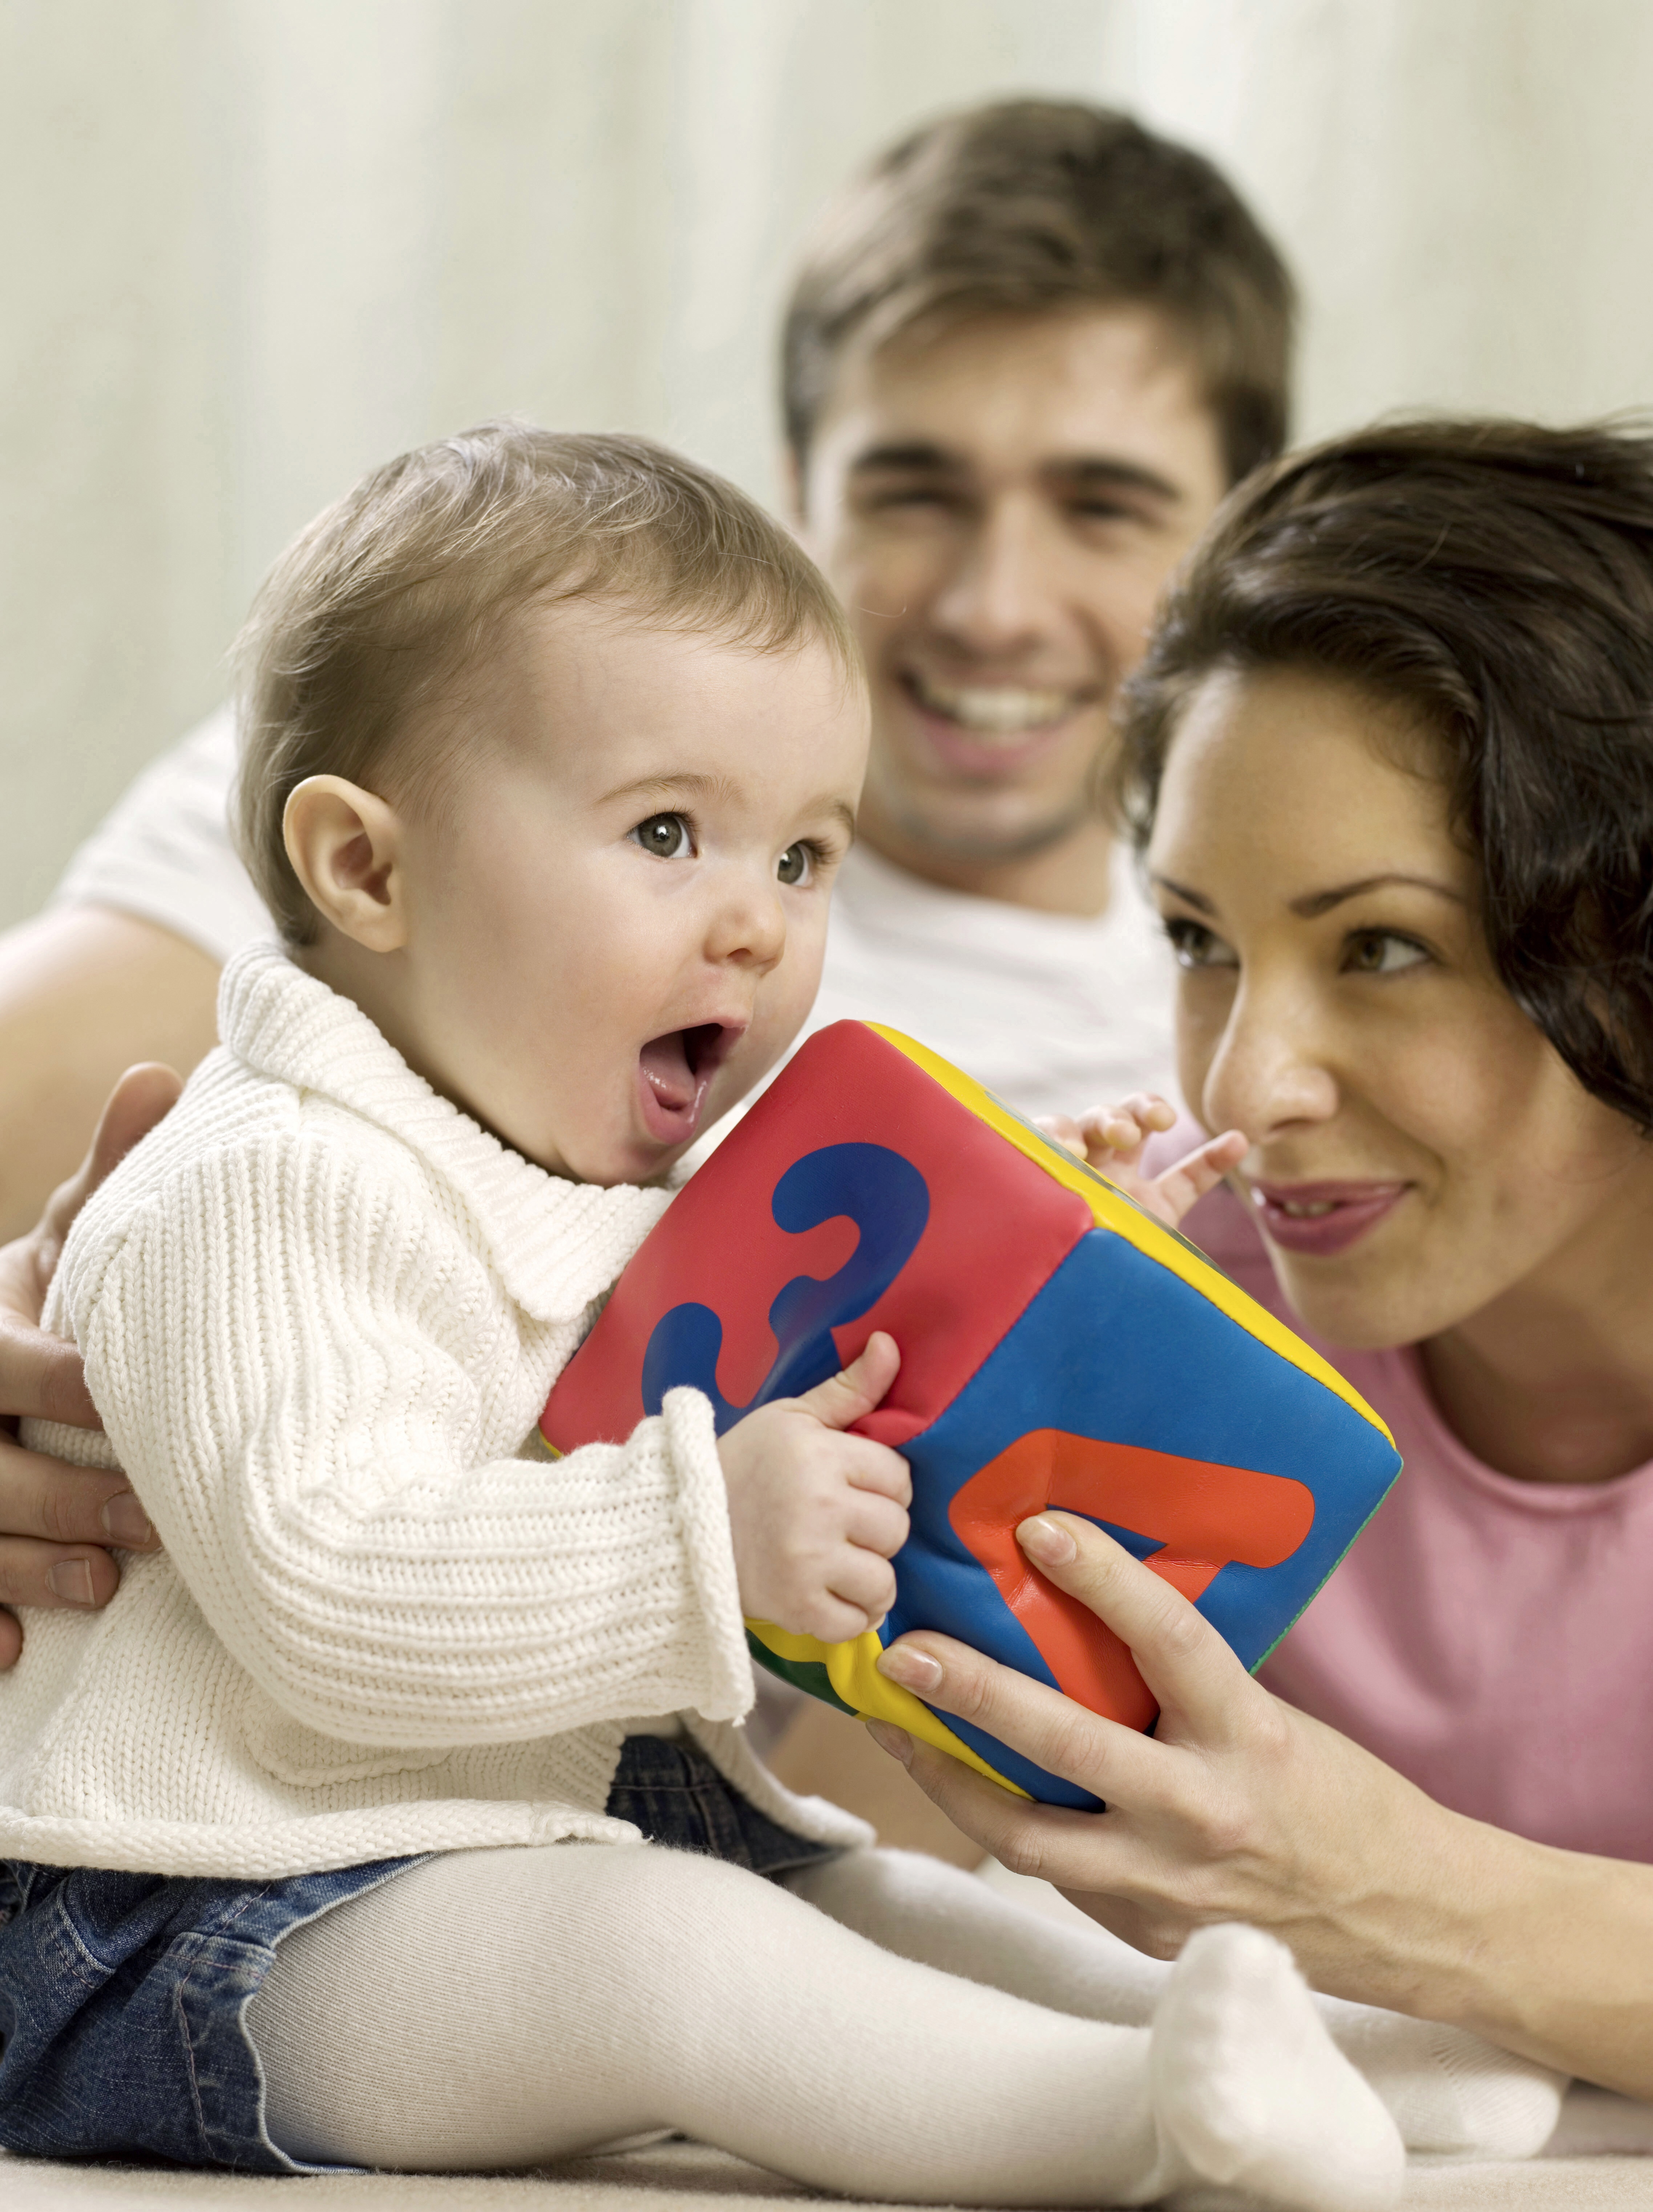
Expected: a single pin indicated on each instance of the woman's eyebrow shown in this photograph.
(1313, 903)
(1188, 898)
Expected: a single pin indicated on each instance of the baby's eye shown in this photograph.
(796, 863)
(1196, 946)
(665, 835)
(1383, 952)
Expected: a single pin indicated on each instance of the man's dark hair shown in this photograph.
(1029, 205)
(1498, 580)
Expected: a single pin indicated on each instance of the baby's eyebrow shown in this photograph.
(689, 782)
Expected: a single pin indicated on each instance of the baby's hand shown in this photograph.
(817, 1515)
(1111, 1138)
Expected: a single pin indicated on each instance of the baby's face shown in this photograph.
(617, 917)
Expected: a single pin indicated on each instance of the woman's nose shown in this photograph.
(1270, 1071)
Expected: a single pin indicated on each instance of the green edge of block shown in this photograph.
(803, 1674)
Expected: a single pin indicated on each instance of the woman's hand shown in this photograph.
(1238, 1808)
(54, 1519)
(1112, 1140)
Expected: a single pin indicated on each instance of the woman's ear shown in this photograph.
(346, 850)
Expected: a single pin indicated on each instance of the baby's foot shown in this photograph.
(1449, 2092)
(1249, 2088)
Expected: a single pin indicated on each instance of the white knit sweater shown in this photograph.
(320, 1309)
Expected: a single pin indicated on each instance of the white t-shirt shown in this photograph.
(1052, 1012)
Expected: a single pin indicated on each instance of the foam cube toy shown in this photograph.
(1060, 1347)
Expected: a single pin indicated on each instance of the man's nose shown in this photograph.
(1272, 1070)
(1001, 593)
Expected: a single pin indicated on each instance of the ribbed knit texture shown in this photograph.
(320, 1309)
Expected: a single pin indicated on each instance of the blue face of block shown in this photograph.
(1118, 1349)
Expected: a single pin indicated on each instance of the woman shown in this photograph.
(1391, 762)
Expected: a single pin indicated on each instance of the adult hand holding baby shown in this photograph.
(816, 1514)
(57, 1518)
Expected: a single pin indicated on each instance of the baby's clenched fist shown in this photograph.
(816, 1514)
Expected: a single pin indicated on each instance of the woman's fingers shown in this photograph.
(1115, 1763)
(1194, 1675)
(1048, 1841)
(1201, 1687)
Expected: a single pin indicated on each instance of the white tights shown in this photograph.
(890, 2028)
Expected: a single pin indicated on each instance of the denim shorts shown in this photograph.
(122, 1996)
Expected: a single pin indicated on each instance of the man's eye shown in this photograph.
(910, 499)
(1383, 952)
(665, 835)
(1196, 946)
(796, 863)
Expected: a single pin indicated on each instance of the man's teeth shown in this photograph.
(1298, 1210)
(996, 710)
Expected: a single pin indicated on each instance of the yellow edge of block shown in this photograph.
(1113, 1210)
(852, 1669)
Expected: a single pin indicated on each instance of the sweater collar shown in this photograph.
(552, 1241)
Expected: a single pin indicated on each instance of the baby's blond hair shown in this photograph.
(379, 605)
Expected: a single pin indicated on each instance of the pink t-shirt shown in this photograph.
(1491, 1639)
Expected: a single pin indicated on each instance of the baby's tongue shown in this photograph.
(665, 1063)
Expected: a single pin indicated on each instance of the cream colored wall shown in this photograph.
(252, 246)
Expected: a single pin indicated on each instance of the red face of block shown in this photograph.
(943, 1258)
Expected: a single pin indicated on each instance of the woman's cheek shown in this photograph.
(1202, 1010)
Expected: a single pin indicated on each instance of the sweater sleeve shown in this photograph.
(291, 1353)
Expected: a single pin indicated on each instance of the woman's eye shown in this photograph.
(1196, 946)
(1382, 952)
(795, 865)
(665, 835)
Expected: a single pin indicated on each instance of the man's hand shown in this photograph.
(54, 1519)
(1111, 1138)
(817, 1515)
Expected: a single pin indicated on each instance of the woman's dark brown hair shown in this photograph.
(1498, 579)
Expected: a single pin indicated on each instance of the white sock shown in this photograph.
(1449, 2092)
(507, 2008)
(1452, 2093)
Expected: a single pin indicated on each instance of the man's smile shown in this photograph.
(997, 713)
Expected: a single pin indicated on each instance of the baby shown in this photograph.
(397, 1815)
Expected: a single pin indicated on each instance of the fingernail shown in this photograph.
(914, 1670)
(894, 1740)
(71, 1581)
(125, 1522)
(1046, 1541)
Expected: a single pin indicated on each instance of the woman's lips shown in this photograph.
(1320, 1218)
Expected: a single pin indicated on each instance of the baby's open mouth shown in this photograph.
(675, 1072)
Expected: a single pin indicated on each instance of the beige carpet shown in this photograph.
(684, 2176)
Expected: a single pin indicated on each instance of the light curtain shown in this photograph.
(254, 245)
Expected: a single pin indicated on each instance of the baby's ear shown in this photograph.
(346, 847)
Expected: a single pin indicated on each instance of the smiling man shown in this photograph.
(1026, 354)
